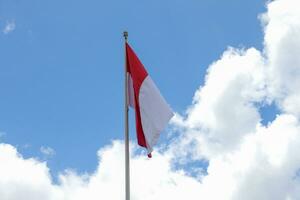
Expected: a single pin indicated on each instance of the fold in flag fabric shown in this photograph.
(152, 113)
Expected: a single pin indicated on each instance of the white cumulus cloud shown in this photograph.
(30, 179)
(246, 159)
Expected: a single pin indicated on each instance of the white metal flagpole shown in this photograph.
(127, 166)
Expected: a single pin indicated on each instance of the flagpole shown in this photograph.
(127, 168)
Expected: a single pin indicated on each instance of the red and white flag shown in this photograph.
(152, 113)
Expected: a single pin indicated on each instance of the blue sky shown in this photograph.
(61, 71)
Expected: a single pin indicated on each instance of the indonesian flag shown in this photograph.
(152, 113)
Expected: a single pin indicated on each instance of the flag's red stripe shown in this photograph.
(138, 74)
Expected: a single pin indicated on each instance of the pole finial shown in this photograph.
(125, 34)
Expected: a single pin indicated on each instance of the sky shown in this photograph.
(230, 71)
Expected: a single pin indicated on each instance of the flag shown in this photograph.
(152, 113)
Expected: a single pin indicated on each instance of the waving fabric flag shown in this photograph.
(152, 113)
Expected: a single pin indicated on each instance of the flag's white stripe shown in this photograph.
(154, 110)
(130, 91)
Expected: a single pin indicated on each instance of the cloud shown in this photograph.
(9, 27)
(30, 179)
(246, 159)
(22, 178)
(47, 151)
(223, 125)
(282, 49)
